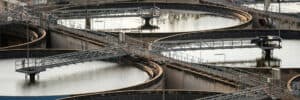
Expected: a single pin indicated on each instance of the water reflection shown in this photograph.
(287, 56)
(169, 21)
(72, 79)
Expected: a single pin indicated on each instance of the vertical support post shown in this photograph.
(147, 21)
(32, 77)
(268, 54)
(275, 86)
(23, 63)
(276, 73)
(150, 46)
(147, 24)
(122, 37)
(88, 23)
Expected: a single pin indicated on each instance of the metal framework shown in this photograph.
(34, 66)
(137, 47)
(254, 86)
(250, 63)
(183, 45)
(108, 12)
(256, 93)
(205, 44)
(244, 78)
(268, 91)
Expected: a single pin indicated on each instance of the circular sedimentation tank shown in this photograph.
(294, 85)
(102, 76)
(19, 35)
(286, 56)
(173, 18)
(82, 78)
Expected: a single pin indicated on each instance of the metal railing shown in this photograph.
(256, 93)
(182, 45)
(271, 90)
(250, 82)
(139, 48)
(37, 65)
(260, 12)
(108, 12)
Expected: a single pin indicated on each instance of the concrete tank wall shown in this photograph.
(145, 95)
(69, 41)
(179, 79)
(154, 70)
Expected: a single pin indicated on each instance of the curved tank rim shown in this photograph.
(240, 14)
(40, 37)
(158, 76)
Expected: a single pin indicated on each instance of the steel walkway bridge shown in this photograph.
(139, 48)
(35, 66)
(253, 85)
(148, 12)
(245, 79)
(136, 47)
(206, 44)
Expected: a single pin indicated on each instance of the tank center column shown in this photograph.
(32, 77)
(268, 44)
